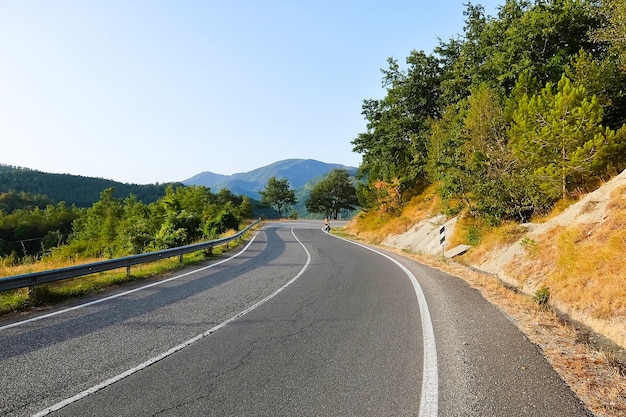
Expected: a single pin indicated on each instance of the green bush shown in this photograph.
(542, 296)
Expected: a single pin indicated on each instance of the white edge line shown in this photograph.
(430, 379)
(175, 349)
(111, 297)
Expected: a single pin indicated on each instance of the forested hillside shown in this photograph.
(520, 111)
(72, 189)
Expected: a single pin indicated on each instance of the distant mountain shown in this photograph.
(297, 171)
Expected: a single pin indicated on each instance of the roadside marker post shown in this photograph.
(442, 239)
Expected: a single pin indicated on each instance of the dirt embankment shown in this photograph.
(519, 264)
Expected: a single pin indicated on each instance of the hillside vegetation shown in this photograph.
(502, 128)
(114, 227)
(521, 111)
(571, 259)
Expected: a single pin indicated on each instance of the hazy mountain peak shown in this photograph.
(297, 171)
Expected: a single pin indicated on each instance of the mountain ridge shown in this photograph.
(297, 171)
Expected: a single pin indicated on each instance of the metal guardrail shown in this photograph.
(43, 277)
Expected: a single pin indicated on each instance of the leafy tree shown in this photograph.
(536, 37)
(245, 208)
(96, 230)
(13, 200)
(30, 231)
(137, 227)
(493, 121)
(605, 79)
(394, 148)
(463, 59)
(613, 27)
(278, 194)
(227, 219)
(225, 196)
(178, 229)
(332, 194)
(446, 164)
(487, 160)
(558, 134)
(181, 211)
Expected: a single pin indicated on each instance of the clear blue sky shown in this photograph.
(147, 91)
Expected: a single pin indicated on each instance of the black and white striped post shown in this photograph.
(442, 239)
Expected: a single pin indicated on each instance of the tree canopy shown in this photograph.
(335, 192)
(278, 194)
(521, 110)
(114, 227)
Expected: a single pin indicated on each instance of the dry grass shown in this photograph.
(376, 226)
(582, 265)
(44, 264)
(594, 284)
(557, 209)
(21, 299)
(484, 238)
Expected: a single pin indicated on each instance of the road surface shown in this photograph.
(298, 322)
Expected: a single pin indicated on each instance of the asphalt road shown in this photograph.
(297, 323)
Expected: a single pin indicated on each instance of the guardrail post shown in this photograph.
(180, 257)
(34, 296)
(128, 271)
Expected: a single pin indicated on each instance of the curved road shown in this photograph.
(297, 323)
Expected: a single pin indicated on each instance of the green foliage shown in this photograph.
(278, 194)
(529, 245)
(12, 200)
(97, 228)
(335, 192)
(394, 148)
(227, 219)
(542, 296)
(520, 111)
(246, 209)
(114, 227)
(557, 135)
(31, 230)
(473, 236)
(179, 228)
(604, 79)
(366, 196)
(611, 31)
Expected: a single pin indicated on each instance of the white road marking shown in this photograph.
(183, 345)
(111, 297)
(429, 401)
